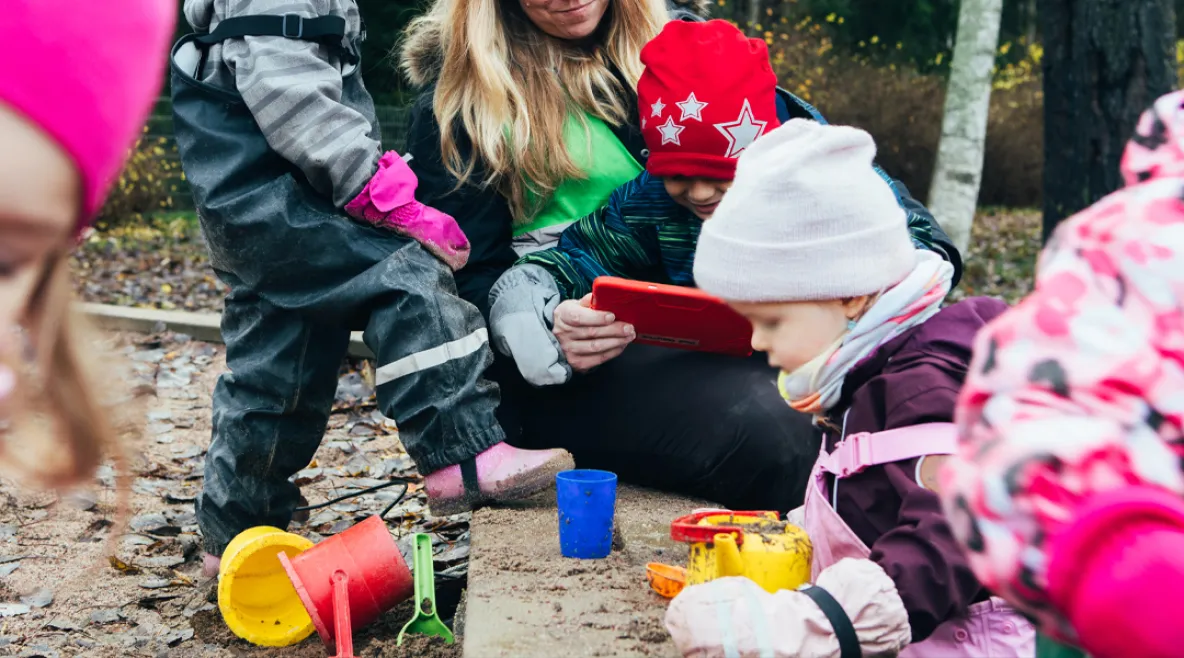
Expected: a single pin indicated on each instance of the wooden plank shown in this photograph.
(205, 327)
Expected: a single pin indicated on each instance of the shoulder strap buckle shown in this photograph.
(854, 455)
(290, 32)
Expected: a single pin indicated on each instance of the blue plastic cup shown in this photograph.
(587, 500)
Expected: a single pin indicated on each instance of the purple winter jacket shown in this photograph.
(913, 379)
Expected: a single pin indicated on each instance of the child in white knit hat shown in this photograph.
(812, 248)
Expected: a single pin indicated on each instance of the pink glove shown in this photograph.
(1118, 570)
(388, 201)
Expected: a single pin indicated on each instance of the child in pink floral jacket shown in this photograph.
(1068, 489)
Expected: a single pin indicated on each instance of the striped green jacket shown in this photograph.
(642, 234)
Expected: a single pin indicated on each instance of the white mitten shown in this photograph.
(735, 617)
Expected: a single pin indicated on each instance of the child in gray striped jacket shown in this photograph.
(277, 137)
(293, 88)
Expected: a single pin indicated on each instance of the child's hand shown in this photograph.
(735, 617)
(388, 201)
(589, 338)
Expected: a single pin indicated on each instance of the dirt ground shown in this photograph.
(67, 588)
(527, 601)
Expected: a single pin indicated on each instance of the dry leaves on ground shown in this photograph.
(80, 576)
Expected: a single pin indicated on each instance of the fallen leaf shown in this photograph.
(155, 583)
(183, 518)
(13, 609)
(178, 636)
(96, 528)
(138, 540)
(123, 567)
(106, 616)
(161, 562)
(453, 554)
(63, 624)
(40, 598)
(150, 602)
(81, 500)
(7, 569)
(341, 526)
(187, 453)
(160, 428)
(322, 517)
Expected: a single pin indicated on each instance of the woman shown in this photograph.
(510, 81)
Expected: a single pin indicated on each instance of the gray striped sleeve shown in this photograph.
(293, 88)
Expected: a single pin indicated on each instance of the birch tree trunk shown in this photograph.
(754, 17)
(953, 195)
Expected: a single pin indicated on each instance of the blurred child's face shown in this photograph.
(700, 195)
(794, 333)
(39, 201)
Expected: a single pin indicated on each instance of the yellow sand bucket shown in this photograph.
(757, 545)
(257, 601)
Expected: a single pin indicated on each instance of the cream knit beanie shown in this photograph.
(807, 218)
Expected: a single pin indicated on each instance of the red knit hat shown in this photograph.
(706, 93)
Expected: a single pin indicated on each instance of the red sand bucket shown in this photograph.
(376, 577)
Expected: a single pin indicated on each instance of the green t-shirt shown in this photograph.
(607, 164)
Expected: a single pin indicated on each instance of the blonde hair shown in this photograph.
(58, 430)
(512, 88)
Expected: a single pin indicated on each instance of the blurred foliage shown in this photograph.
(146, 187)
(875, 64)
(902, 104)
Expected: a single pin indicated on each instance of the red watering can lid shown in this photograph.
(689, 529)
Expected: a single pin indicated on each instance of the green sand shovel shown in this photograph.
(425, 621)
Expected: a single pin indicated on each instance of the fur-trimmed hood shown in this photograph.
(421, 56)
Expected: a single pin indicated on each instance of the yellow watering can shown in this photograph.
(757, 545)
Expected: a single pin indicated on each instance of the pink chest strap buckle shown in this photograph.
(857, 452)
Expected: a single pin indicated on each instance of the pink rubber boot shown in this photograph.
(501, 473)
(1118, 571)
(210, 565)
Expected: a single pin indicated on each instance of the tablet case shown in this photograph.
(674, 316)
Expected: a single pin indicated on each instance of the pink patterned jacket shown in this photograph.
(1078, 391)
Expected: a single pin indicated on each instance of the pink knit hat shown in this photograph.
(87, 73)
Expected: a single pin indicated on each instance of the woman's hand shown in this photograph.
(589, 338)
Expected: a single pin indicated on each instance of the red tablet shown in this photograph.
(674, 316)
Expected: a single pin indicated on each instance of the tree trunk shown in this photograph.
(754, 17)
(1031, 22)
(953, 196)
(1105, 61)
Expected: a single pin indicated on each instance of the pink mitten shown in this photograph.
(388, 201)
(1117, 571)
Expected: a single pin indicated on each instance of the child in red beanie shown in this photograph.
(66, 123)
(1068, 492)
(706, 94)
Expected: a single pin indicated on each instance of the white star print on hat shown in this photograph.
(691, 108)
(670, 131)
(742, 132)
(657, 108)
